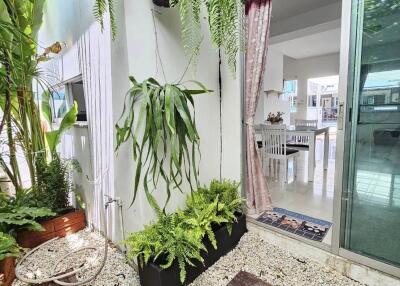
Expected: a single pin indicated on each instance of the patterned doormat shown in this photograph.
(302, 225)
(247, 279)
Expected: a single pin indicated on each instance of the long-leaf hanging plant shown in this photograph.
(224, 21)
(163, 131)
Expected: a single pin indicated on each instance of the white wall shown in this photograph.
(311, 18)
(133, 53)
(272, 102)
(304, 69)
(273, 75)
(141, 62)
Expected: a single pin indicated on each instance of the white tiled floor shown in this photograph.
(315, 198)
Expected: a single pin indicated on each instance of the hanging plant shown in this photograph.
(224, 21)
(163, 131)
(100, 8)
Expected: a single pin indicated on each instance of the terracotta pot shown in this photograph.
(59, 226)
(7, 271)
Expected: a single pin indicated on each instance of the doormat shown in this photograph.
(302, 225)
(247, 279)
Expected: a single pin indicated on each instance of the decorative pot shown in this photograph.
(59, 226)
(7, 271)
(162, 3)
(153, 275)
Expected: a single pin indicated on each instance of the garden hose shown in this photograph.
(56, 278)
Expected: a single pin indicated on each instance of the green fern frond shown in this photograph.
(99, 9)
(189, 11)
(113, 23)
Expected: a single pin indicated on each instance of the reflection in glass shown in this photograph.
(373, 215)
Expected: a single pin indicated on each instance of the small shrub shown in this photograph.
(179, 236)
(8, 246)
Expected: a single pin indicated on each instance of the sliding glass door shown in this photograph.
(371, 195)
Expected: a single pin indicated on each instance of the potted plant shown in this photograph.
(52, 191)
(180, 246)
(9, 249)
(162, 3)
(224, 23)
(12, 218)
(164, 139)
(275, 119)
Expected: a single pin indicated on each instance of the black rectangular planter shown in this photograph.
(153, 275)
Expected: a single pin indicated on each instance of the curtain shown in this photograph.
(258, 18)
(94, 52)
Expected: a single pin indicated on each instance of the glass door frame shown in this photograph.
(350, 57)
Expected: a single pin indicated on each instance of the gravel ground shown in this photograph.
(115, 272)
(270, 263)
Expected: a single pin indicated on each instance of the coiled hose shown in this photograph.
(56, 278)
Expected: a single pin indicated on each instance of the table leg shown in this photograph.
(311, 158)
(326, 150)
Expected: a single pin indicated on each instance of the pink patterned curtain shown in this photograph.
(258, 22)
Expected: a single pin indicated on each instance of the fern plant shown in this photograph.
(203, 217)
(167, 240)
(100, 8)
(169, 128)
(179, 236)
(224, 22)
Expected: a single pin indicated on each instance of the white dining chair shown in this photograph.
(301, 142)
(306, 123)
(274, 149)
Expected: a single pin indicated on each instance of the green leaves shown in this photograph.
(159, 121)
(53, 137)
(179, 236)
(100, 8)
(8, 246)
(224, 22)
(22, 217)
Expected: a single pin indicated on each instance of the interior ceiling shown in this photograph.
(283, 9)
(318, 44)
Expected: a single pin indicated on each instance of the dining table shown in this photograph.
(311, 133)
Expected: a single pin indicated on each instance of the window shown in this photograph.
(78, 95)
(290, 93)
(63, 97)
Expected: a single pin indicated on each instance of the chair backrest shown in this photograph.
(274, 139)
(306, 123)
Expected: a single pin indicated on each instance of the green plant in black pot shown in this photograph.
(180, 236)
(167, 240)
(229, 201)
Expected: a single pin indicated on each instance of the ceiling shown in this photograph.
(327, 42)
(283, 9)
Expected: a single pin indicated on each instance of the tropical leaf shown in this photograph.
(8, 246)
(53, 137)
(161, 126)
